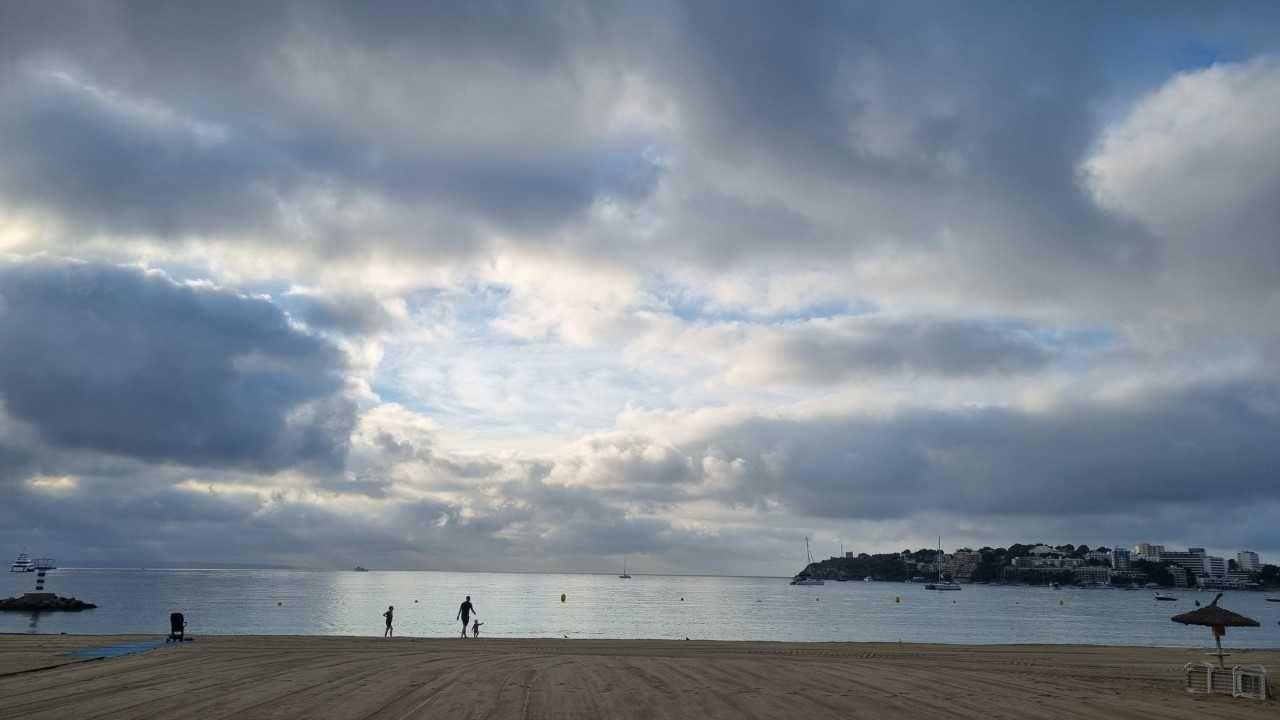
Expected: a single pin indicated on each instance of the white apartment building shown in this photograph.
(1197, 562)
(1248, 561)
(1147, 551)
(1093, 574)
(1215, 566)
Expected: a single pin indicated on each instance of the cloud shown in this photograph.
(126, 362)
(826, 352)
(1198, 445)
(535, 283)
(1195, 162)
(344, 314)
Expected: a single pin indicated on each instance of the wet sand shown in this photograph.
(336, 677)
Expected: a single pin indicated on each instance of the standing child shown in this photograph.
(475, 629)
(389, 632)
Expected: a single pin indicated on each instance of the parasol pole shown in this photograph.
(1218, 632)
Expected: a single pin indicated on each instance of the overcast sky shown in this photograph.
(539, 285)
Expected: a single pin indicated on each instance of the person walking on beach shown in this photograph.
(389, 632)
(475, 629)
(464, 612)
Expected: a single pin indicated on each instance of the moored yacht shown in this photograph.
(22, 564)
(941, 584)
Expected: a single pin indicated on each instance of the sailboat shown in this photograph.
(624, 574)
(941, 584)
(803, 578)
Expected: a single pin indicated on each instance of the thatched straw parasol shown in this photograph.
(1217, 618)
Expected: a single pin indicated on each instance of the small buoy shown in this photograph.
(681, 599)
(415, 601)
(897, 599)
(1060, 601)
(278, 603)
(561, 597)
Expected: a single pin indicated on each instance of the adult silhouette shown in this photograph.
(464, 613)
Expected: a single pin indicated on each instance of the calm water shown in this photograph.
(603, 606)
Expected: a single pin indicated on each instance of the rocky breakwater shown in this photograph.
(42, 602)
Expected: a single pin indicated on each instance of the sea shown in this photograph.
(525, 605)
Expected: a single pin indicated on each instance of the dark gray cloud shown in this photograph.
(800, 136)
(125, 362)
(1196, 446)
(347, 315)
(158, 123)
(830, 352)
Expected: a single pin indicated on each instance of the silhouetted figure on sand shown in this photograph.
(389, 632)
(464, 612)
(475, 629)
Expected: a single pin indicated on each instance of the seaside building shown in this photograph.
(1032, 562)
(1197, 562)
(1098, 555)
(1179, 575)
(1247, 561)
(1193, 560)
(961, 565)
(1215, 566)
(1093, 574)
(1232, 581)
(1149, 552)
(1120, 560)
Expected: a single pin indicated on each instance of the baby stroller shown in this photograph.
(177, 628)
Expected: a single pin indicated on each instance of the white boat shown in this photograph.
(624, 575)
(803, 578)
(868, 579)
(941, 584)
(22, 564)
(44, 564)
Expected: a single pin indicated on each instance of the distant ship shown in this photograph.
(624, 575)
(361, 569)
(22, 564)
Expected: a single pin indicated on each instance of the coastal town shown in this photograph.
(1143, 565)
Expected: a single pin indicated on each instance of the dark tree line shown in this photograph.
(992, 564)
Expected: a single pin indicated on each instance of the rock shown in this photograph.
(41, 602)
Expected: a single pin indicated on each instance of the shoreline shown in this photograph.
(291, 676)
(1189, 647)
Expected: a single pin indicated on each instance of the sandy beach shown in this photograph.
(342, 677)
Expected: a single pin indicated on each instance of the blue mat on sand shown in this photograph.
(118, 650)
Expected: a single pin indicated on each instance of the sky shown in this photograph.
(544, 285)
